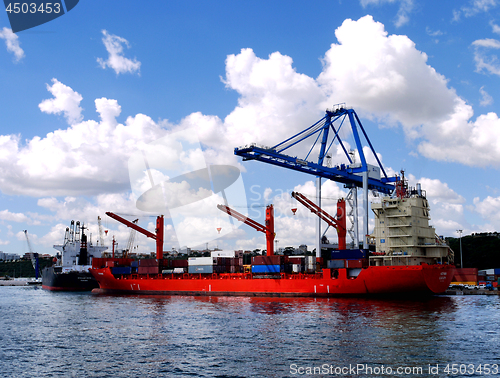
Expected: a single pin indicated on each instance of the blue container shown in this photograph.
(335, 264)
(348, 254)
(496, 271)
(201, 269)
(266, 268)
(134, 264)
(121, 270)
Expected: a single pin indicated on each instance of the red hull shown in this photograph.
(374, 280)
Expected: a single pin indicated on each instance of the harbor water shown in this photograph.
(55, 334)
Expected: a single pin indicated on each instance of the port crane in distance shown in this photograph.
(33, 256)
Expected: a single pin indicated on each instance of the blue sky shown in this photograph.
(82, 94)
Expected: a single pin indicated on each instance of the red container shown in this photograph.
(296, 260)
(460, 271)
(464, 278)
(147, 270)
(267, 260)
(148, 262)
(178, 263)
(357, 263)
(110, 264)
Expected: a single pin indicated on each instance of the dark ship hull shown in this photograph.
(57, 280)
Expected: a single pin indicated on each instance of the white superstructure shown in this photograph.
(402, 232)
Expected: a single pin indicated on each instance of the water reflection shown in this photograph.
(167, 336)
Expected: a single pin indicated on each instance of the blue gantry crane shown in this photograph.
(353, 174)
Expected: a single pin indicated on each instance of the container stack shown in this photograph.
(175, 266)
(201, 265)
(229, 264)
(465, 276)
(268, 264)
(148, 266)
(348, 258)
(297, 264)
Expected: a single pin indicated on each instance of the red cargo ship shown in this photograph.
(345, 277)
(373, 280)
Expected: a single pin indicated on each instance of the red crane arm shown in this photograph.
(339, 223)
(317, 210)
(242, 218)
(268, 229)
(131, 225)
(158, 236)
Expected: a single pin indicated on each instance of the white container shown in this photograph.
(179, 270)
(201, 261)
(223, 254)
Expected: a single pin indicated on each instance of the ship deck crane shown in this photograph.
(158, 236)
(339, 224)
(353, 175)
(33, 256)
(268, 228)
(130, 243)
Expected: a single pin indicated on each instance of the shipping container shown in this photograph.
(178, 263)
(235, 269)
(466, 271)
(357, 263)
(335, 264)
(147, 270)
(464, 278)
(497, 271)
(267, 260)
(148, 263)
(201, 269)
(121, 270)
(179, 270)
(296, 260)
(167, 271)
(134, 264)
(266, 268)
(223, 254)
(297, 268)
(197, 261)
(348, 254)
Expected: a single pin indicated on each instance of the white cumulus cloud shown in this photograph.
(65, 101)
(116, 59)
(12, 43)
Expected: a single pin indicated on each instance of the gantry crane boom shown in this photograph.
(339, 224)
(158, 236)
(353, 175)
(268, 228)
(350, 174)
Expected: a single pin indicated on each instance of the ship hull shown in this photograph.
(68, 281)
(376, 280)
